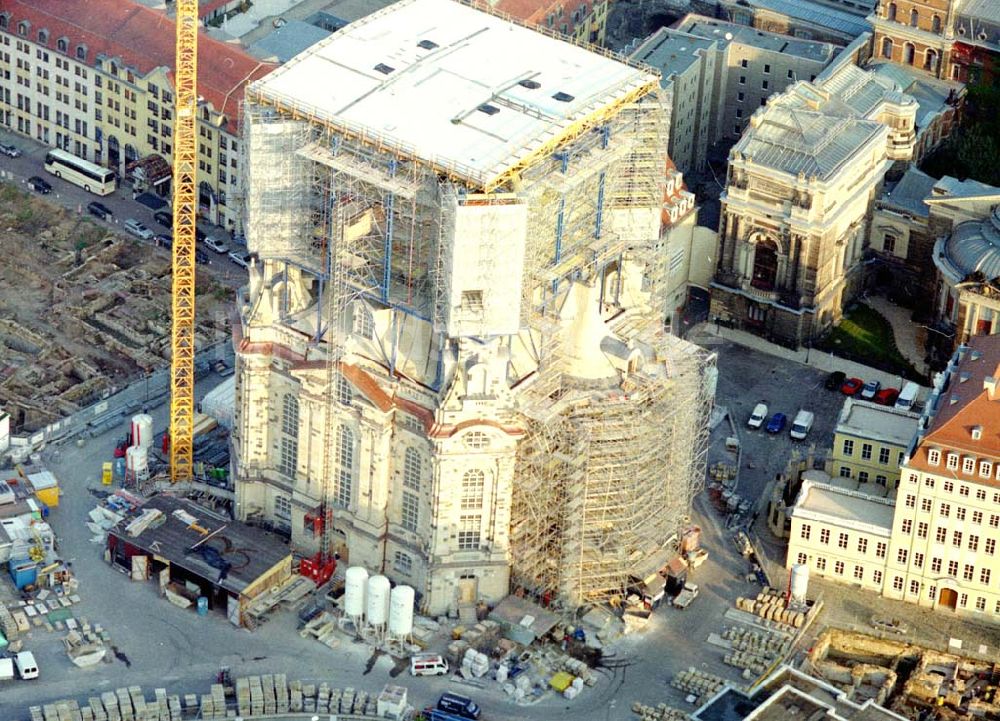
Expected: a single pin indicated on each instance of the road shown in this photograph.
(32, 162)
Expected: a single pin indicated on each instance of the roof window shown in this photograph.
(530, 84)
(427, 44)
(562, 97)
(488, 109)
(384, 69)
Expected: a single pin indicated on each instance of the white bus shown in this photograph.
(92, 178)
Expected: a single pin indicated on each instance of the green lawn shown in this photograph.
(865, 336)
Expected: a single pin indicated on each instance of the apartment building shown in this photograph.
(869, 444)
(842, 534)
(946, 527)
(95, 79)
(690, 78)
(752, 66)
(583, 20)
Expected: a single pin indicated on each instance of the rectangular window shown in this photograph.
(990, 546)
(901, 556)
(862, 476)
(949, 487)
(410, 511)
(980, 603)
(764, 84)
(994, 521)
(960, 513)
(953, 568)
(984, 576)
(956, 539)
(907, 526)
(968, 572)
(880, 549)
(977, 517)
(862, 545)
(918, 560)
(963, 490)
(767, 68)
(283, 507)
(929, 482)
(820, 563)
(883, 456)
(877, 577)
(944, 510)
(922, 530)
(925, 505)
(932, 592)
(802, 558)
(911, 501)
(952, 462)
(740, 97)
(866, 451)
(963, 600)
(805, 531)
(848, 448)
(980, 493)
(915, 588)
(859, 573)
(402, 562)
(288, 457)
(897, 583)
(935, 565)
(838, 568)
(791, 75)
(968, 464)
(469, 532)
(824, 535)
(744, 63)
(743, 79)
(845, 472)
(842, 540)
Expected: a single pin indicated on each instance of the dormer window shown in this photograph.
(977, 433)
(985, 469)
(952, 462)
(62, 44)
(934, 457)
(4, 21)
(43, 37)
(23, 27)
(81, 52)
(968, 464)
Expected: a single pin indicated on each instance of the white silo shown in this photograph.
(355, 586)
(377, 605)
(136, 464)
(799, 583)
(401, 611)
(142, 430)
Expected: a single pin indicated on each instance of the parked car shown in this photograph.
(887, 396)
(240, 258)
(217, 245)
(458, 705)
(99, 209)
(200, 256)
(39, 185)
(777, 423)
(222, 368)
(907, 396)
(686, 596)
(27, 667)
(138, 229)
(802, 424)
(164, 240)
(757, 416)
(870, 389)
(164, 218)
(890, 625)
(835, 380)
(9, 150)
(851, 386)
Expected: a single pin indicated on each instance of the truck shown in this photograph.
(689, 593)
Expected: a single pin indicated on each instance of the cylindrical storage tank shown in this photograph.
(142, 430)
(377, 603)
(136, 463)
(355, 587)
(800, 581)
(401, 611)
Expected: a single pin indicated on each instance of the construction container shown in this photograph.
(23, 571)
(202, 606)
(46, 488)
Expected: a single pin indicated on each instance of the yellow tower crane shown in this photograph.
(185, 164)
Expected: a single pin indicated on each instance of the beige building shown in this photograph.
(943, 553)
(840, 533)
(869, 443)
(453, 338)
(95, 79)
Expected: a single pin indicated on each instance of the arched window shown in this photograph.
(413, 469)
(914, 18)
(4, 20)
(891, 14)
(62, 44)
(364, 323)
(344, 475)
(345, 394)
(765, 265)
(81, 52)
(930, 60)
(887, 48)
(43, 37)
(936, 24)
(472, 489)
(22, 28)
(908, 53)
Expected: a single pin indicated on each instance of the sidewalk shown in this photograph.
(706, 334)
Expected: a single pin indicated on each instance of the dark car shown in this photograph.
(887, 396)
(458, 705)
(835, 380)
(777, 423)
(9, 150)
(39, 185)
(163, 240)
(164, 218)
(200, 256)
(851, 386)
(99, 210)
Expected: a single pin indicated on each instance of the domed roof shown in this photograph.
(975, 246)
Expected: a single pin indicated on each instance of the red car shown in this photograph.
(851, 386)
(887, 396)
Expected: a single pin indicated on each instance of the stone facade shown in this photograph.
(914, 33)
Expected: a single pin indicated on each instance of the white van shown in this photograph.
(907, 397)
(428, 664)
(757, 416)
(27, 667)
(802, 424)
(6, 669)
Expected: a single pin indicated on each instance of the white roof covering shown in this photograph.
(425, 100)
(881, 423)
(836, 506)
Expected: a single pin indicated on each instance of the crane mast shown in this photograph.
(185, 211)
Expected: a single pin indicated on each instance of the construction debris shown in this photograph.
(660, 712)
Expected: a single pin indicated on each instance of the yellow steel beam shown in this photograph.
(185, 210)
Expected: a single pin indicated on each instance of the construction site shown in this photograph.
(87, 311)
(465, 295)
